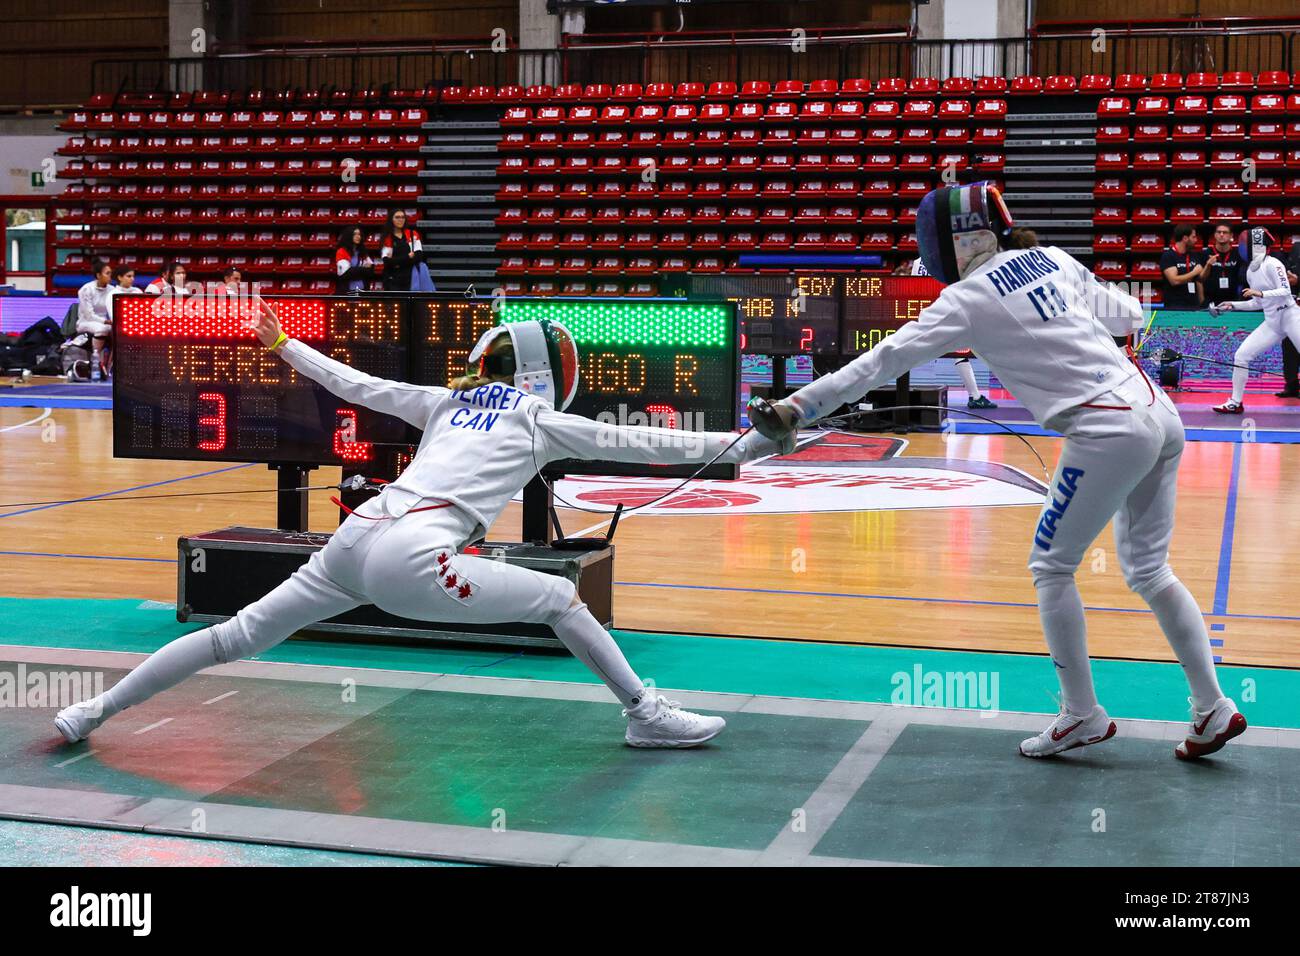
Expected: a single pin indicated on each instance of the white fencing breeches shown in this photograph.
(1118, 462)
(1267, 335)
(409, 567)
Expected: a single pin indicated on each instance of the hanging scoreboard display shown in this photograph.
(192, 382)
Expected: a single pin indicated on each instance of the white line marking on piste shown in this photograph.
(153, 726)
(64, 763)
(39, 418)
(229, 693)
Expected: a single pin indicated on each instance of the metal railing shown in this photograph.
(764, 55)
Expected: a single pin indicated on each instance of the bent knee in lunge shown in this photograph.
(1147, 582)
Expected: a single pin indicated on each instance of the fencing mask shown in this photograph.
(543, 359)
(1254, 244)
(958, 227)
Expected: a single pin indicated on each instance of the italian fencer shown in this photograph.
(483, 439)
(1044, 324)
(1267, 289)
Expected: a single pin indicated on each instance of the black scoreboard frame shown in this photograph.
(834, 299)
(407, 437)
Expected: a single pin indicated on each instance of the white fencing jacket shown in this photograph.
(1038, 317)
(1275, 298)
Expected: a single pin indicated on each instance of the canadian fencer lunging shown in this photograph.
(483, 439)
(1044, 324)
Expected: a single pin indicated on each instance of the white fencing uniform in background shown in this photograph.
(478, 449)
(1281, 318)
(1044, 324)
(95, 309)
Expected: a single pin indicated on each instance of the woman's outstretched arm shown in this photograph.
(411, 403)
(572, 436)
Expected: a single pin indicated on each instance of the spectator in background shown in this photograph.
(231, 281)
(400, 251)
(352, 264)
(123, 282)
(1290, 357)
(95, 317)
(171, 282)
(1181, 270)
(1225, 272)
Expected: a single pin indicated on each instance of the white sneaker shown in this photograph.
(1211, 729)
(1069, 731)
(670, 726)
(76, 722)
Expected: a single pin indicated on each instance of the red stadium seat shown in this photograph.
(1151, 106)
(1202, 82)
(1130, 82)
(1267, 104)
(1060, 84)
(1227, 132)
(1229, 103)
(1095, 83)
(1191, 104)
(1022, 85)
(1113, 106)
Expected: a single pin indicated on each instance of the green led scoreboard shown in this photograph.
(192, 382)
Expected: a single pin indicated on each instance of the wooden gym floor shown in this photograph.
(938, 577)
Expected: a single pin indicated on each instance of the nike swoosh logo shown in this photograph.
(1201, 729)
(1059, 735)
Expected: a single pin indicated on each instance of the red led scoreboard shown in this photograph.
(192, 382)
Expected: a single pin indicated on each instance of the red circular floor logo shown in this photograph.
(686, 499)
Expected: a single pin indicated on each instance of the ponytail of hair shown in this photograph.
(473, 380)
(1022, 238)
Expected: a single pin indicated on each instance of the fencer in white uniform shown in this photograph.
(481, 444)
(1044, 324)
(1267, 289)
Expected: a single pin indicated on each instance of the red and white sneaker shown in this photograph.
(1211, 729)
(1069, 731)
(1230, 408)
